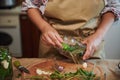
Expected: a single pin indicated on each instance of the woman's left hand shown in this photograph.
(92, 42)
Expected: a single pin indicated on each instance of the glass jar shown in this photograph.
(6, 70)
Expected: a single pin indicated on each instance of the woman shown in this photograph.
(85, 19)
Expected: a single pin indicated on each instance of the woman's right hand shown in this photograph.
(51, 37)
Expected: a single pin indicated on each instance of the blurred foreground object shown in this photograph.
(6, 70)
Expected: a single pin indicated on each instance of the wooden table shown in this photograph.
(109, 66)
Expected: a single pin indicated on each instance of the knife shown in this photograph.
(119, 65)
(20, 67)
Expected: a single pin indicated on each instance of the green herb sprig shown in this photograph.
(80, 74)
(67, 47)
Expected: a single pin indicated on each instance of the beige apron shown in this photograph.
(77, 18)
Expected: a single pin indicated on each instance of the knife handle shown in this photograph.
(20, 67)
(17, 64)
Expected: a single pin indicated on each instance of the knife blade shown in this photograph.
(18, 65)
(119, 65)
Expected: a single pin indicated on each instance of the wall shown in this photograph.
(112, 38)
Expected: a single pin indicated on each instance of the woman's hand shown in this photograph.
(51, 37)
(92, 42)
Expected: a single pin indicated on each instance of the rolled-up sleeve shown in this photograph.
(39, 4)
(112, 6)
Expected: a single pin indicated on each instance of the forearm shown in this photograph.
(106, 22)
(37, 19)
(49, 35)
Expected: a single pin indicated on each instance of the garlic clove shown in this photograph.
(84, 65)
(40, 72)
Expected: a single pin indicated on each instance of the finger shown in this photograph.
(55, 40)
(48, 40)
(59, 38)
(58, 44)
(87, 53)
(59, 41)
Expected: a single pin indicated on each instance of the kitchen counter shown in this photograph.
(107, 65)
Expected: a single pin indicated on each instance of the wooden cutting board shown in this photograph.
(67, 65)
